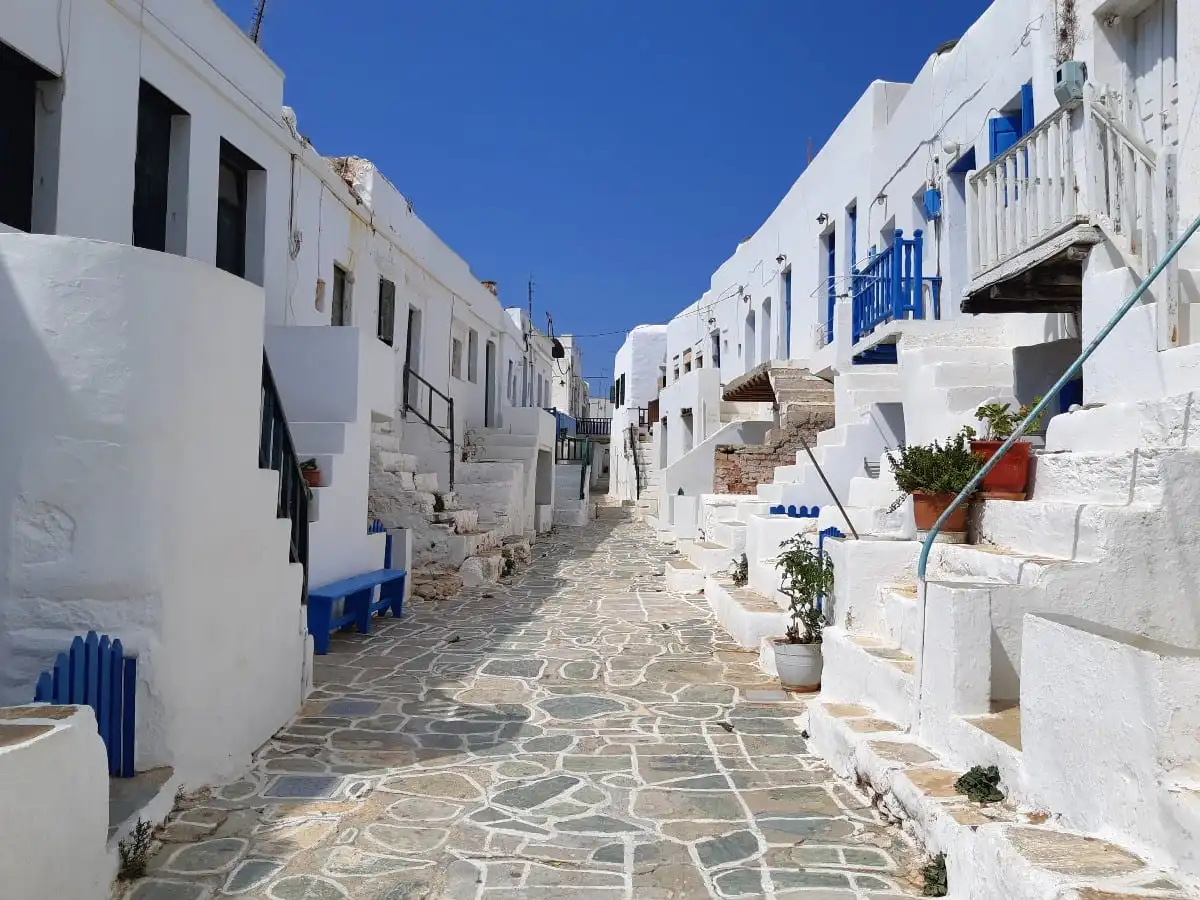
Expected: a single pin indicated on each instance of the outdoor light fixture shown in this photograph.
(822, 218)
(780, 258)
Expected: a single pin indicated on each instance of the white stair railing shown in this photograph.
(1124, 195)
(1026, 195)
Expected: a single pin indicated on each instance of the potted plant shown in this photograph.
(311, 472)
(1010, 477)
(933, 474)
(807, 579)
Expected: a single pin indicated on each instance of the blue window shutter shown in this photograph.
(1003, 133)
(1027, 118)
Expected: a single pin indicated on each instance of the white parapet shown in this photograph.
(54, 781)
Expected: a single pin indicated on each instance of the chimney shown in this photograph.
(491, 286)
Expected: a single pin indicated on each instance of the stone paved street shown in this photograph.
(576, 732)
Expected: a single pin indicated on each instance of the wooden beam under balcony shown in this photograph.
(1047, 278)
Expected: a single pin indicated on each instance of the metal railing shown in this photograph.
(1026, 195)
(569, 449)
(593, 427)
(1036, 413)
(632, 436)
(416, 390)
(277, 451)
(892, 286)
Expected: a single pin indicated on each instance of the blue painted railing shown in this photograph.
(97, 673)
(830, 532)
(1068, 376)
(891, 286)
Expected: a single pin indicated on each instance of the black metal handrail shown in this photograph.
(583, 469)
(637, 466)
(277, 451)
(413, 383)
(594, 427)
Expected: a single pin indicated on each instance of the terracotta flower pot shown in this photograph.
(1011, 474)
(927, 508)
(312, 477)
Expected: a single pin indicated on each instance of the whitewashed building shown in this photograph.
(958, 241)
(164, 231)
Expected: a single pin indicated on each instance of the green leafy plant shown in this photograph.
(935, 877)
(1000, 419)
(135, 851)
(739, 571)
(807, 578)
(942, 467)
(309, 465)
(980, 785)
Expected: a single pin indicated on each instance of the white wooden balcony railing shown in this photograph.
(1025, 196)
(1079, 166)
(1124, 191)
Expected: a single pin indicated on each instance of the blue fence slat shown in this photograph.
(91, 665)
(78, 689)
(115, 695)
(104, 689)
(45, 689)
(128, 720)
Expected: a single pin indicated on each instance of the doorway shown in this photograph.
(768, 346)
(1153, 106)
(412, 352)
(489, 385)
(749, 342)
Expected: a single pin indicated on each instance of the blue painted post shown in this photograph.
(387, 552)
(128, 717)
(918, 266)
(44, 692)
(78, 688)
(897, 302)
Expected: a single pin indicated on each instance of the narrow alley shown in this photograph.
(576, 731)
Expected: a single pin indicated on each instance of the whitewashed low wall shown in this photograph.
(129, 426)
(54, 815)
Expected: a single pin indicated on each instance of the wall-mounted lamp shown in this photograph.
(822, 218)
(781, 258)
(881, 199)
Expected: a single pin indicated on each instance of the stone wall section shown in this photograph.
(804, 409)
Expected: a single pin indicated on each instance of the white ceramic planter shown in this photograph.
(799, 665)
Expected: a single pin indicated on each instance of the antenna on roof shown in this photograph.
(256, 24)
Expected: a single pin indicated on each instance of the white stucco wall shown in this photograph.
(130, 464)
(54, 780)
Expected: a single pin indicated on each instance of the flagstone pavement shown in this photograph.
(576, 732)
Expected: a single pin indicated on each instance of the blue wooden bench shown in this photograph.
(359, 594)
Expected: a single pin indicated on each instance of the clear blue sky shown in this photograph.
(602, 146)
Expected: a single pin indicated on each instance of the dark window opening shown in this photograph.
(152, 168)
(341, 297)
(387, 311)
(18, 136)
(233, 188)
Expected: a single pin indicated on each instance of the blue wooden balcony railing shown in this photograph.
(891, 286)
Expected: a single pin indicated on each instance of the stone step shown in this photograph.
(861, 668)
(991, 850)
(1132, 476)
(482, 569)
(972, 374)
(745, 614)
(730, 533)
(683, 575)
(491, 472)
(387, 442)
(1054, 529)
(461, 520)
(393, 461)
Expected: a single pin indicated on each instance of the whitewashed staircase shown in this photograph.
(1061, 648)
(462, 531)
